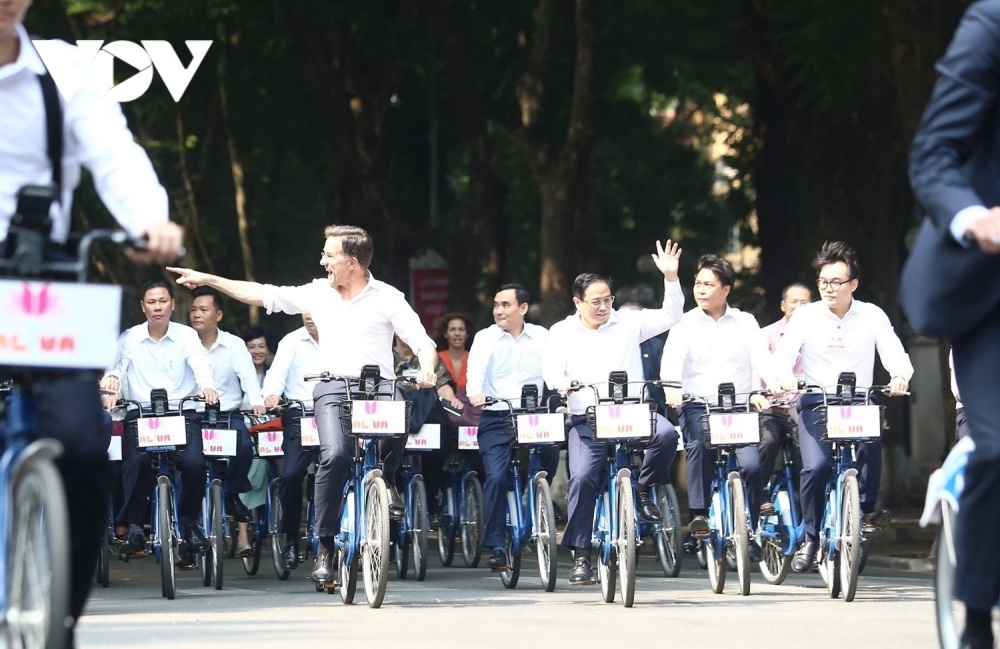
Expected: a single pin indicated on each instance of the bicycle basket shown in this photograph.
(613, 422)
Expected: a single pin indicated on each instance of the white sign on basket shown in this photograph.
(218, 442)
(468, 438)
(619, 421)
(269, 443)
(853, 422)
(162, 431)
(59, 324)
(543, 428)
(115, 449)
(378, 417)
(734, 429)
(428, 438)
(310, 432)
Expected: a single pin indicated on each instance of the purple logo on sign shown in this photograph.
(614, 412)
(533, 420)
(371, 407)
(845, 413)
(208, 434)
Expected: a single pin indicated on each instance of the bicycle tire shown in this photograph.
(205, 558)
(715, 562)
(217, 538)
(165, 530)
(375, 545)
(627, 540)
(278, 539)
(251, 564)
(949, 611)
(849, 552)
(421, 524)
(39, 521)
(512, 574)
(545, 536)
(829, 569)
(776, 564)
(402, 544)
(741, 532)
(446, 538)
(606, 571)
(348, 577)
(104, 561)
(669, 547)
(472, 523)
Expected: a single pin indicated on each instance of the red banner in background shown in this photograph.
(429, 291)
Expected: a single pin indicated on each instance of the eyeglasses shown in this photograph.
(835, 284)
(597, 303)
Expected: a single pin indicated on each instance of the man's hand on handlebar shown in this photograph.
(673, 396)
(426, 379)
(164, 244)
(760, 402)
(477, 399)
(789, 383)
(898, 386)
(210, 396)
(259, 410)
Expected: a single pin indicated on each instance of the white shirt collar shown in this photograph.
(576, 320)
(703, 315)
(171, 329)
(27, 57)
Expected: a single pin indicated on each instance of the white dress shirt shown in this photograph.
(702, 352)
(234, 373)
(297, 356)
(357, 332)
(575, 352)
(830, 345)
(500, 365)
(94, 135)
(177, 363)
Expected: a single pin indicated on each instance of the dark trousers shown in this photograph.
(137, 474)
(69, 410)
(756, 462)
(238, 471)
(977, 576)
(296, 462)
(587, 460)
(961, 424)
(817, 466)
(336, 451)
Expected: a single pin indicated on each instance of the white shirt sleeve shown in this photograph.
(197, 359)
(555, 356)
(247, 374)
(406, 323)
(656, 321)
(675, 352)
(890, 349)
(760, 355)
(277, 375)
(961, 221)
(790, 346)
(478, 362)
(288, 299)
(122, 360)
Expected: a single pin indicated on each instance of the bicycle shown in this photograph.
(41, 342)
(218, 445)
(364, 515)
(411, 531)
(666, 535)
(725, 428)
(853, 422)
(267, 438)
(534, 426)
(460, 505)
(781, 533)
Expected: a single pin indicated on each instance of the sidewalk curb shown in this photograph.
(901, 563)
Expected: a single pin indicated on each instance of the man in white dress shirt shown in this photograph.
(356, 316)
(297, 357)
(838, 334)
(586, 347)
(93, 134)
(160, 354)
(715, 343)
(504, 358)
(235, 379)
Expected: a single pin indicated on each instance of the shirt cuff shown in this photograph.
(961, 221)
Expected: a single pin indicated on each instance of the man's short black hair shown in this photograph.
(584, 280)
(253, 333)
(834, 251)
(784, 291)
(202, 291)
(720, 267)
(156, 283)
(521, 294)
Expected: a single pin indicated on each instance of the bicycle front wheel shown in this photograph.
(165, 531)
(850, 537)
(950, 611)
(375, 545)
(217, 537)
(473, 520)
(252, 563)
(38, 558)
(669, 547)
(278, 539)
(545, 538)
(741, 533)
(626, 540)
(418, 533)
(512, 574)
(446, 537)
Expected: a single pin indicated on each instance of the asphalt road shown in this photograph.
(460, 607)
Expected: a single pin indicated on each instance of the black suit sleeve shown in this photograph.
(952, 128)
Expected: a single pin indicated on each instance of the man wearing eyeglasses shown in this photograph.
(586, 347)
(838, 334)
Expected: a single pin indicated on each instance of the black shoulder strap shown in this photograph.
(54, 128)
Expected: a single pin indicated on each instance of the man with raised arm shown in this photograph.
(356, 316)
(585, 348)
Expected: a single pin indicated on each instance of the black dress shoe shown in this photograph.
(698, 528)
(648, 511)
(875, 521)
(397, 508)
(692, 545)
(755, 551)
(135, 545)
(582, 574)
(802, 561)
(498, 560)
(975, 641)
(236, 507)
(560, 514)
(290, 557)
(767, 508)
(195, 539)
(323, 568)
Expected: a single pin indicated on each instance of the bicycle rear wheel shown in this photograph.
(278, 539)
(38, 558)
(669, 547)
(775, 564)
(849, 552)
(472, 523)
(607, 574)
(104, 560)
(375, 545)
(950, 611)
(545, 539)
(626, 540)
(165, 531)
(252, 563)
(402, 544)
(829, 568)
(217, 539)
(418, 532)
(348, 577)
(715, 558)
(741, 533)
(512, 574)
(446, 538)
